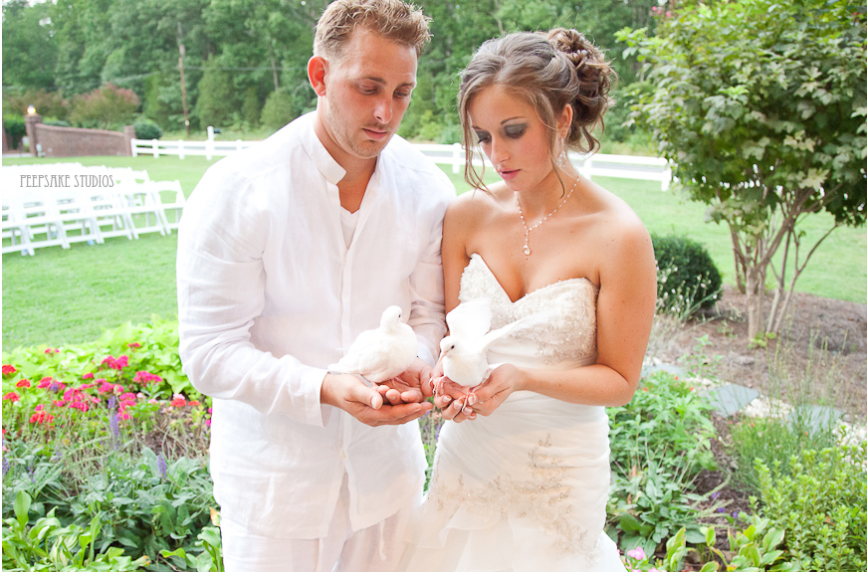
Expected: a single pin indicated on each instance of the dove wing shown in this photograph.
(365, 354)
(470, 320)
(522, 324)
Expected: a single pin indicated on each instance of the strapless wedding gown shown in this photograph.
(525, 489)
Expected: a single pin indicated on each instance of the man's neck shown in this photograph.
(358, 170)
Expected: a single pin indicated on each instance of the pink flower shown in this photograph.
(8, 369)
(127, 396)
(134, 345)
(105, 387)
(145, 378)
(152, 401)
(123, 416)
(140, 395)
(123, 361)
(88, 375)
(11, 396)
(40, 407)
(84, 386)
(210, 409)
(208, 422)
(637, 553)
(45, 382)
(23, 383)
(58, 403)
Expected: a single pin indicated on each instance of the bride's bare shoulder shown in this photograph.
(478, 205)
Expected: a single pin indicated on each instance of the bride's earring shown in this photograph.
(564, 158)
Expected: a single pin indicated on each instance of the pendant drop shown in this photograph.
(526, 250)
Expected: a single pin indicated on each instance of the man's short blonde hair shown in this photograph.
(394, 20)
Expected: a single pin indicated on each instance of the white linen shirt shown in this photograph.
(269, 295)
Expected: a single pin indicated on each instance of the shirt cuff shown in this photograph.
(314, 412)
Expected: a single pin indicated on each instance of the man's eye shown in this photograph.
(402, 94)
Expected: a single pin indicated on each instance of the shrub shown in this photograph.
(822, 506)
(687, 278)
(15, 128)
(250, 108)
(56, 122)
(277, 111)
(47, 104)
(660, 440)
(106, 107)
(773, 439)
(216, 98)
(147, 129)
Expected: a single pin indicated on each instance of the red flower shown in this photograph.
(58, 402)
(134, 345)
(42, 418)
(194, 403)
(23, 383)
(11, 396)
(88, 375)
(9, 369)
(45, 382)
(179, 400)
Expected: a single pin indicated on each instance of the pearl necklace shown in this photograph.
(527, 229)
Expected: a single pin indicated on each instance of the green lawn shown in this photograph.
(59, 297)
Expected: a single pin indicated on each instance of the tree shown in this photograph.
(761, 105)
(29, 51)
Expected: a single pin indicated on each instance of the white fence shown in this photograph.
(598, 165)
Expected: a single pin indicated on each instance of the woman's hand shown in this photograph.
(459, 403)
(488, 396)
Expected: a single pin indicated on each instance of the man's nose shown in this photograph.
(383, 111)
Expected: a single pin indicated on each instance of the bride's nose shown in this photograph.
(499, 151)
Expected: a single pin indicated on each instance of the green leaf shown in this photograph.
(22, 507)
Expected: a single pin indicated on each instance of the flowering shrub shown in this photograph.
(105, 107)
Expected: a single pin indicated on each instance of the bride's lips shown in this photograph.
(507, 174)
(375, 134)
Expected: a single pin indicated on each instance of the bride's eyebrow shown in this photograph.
(511, 119)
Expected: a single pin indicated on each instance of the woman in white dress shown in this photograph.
(521, 475)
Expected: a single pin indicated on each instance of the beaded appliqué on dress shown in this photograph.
(542, 498)
(569, 335)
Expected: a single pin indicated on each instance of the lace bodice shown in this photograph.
(568, 339)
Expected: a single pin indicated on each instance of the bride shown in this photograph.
(521, 476)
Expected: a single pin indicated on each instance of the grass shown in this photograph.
(60, 297)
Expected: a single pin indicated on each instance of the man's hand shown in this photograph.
(350, 394)
(411, 386)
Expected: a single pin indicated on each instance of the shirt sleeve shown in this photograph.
(427, 316)
(221, 291)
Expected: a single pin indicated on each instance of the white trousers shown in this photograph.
(377, 548)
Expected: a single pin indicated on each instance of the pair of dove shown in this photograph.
(383, 353)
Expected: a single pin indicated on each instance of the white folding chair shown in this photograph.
(14, 227)
(39, 214)
(172, 200)
(75, 211)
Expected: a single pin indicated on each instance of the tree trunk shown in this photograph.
(755, 296)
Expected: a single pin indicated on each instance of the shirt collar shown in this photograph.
(330, 169)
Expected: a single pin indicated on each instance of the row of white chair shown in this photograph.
(133, 205)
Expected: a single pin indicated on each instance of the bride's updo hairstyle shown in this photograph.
(548, 71)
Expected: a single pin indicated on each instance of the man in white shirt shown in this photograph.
(287, 251)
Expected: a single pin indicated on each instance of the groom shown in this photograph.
(287, 251)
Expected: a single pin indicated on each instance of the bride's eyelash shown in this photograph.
(483, 136)
(515, 131)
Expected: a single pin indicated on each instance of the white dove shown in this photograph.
(381, 354)
(465, 350)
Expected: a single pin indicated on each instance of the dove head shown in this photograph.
(447, 344)
(390, 317)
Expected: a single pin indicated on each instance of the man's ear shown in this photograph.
(317, 68)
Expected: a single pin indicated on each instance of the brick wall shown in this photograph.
(75, 142)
